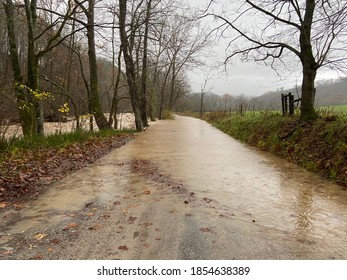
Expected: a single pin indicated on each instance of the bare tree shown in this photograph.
(311, 30)
(204, 91)
(26, 112)
(95, 103)
(186, 44)
(126, 45)
(42, 37)
(144, 65)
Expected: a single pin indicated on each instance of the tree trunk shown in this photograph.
(114, 105)
(201, 104)
(144, 68)
(308, 94)
(308, 63)
(95, 103)
(25, 107)
(172, 90)
(33, 64)
(152, 102)
(130, 67)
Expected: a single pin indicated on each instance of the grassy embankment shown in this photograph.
(16, 146)
(319, 146)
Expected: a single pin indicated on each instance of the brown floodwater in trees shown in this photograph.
(258, 206)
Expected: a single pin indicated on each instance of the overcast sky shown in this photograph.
(244, 78)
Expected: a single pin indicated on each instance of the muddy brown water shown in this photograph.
(248, 204)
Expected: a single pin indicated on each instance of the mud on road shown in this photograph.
(121, 228)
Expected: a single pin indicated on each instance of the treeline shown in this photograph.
(63, 58)
(328, 93)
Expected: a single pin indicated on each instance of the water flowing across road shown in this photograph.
(201, 195)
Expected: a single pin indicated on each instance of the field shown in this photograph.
(334, 109)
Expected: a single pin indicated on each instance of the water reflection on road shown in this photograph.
(278, 197)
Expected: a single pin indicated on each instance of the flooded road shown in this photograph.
(185, 190)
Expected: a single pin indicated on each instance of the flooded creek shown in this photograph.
(257, 205)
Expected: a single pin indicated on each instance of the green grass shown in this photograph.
(340, 110)
(54, 141)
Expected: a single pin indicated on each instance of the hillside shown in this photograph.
(329, 93)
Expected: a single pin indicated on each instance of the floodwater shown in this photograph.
(125, 121)
(250, 205)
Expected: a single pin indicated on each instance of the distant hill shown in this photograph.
(329, 93)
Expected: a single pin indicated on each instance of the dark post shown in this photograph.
(282, 100)
(291, 104)
(285, 106)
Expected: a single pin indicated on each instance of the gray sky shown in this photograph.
(244, 78)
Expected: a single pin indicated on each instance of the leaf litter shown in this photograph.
(24, 178)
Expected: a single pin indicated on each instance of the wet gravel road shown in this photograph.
(182, 190)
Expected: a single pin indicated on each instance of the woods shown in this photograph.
(93, 57)
(62, 59)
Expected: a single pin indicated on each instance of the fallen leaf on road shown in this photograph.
(18, 206)
(6, 253)
(38, 256)
(205, 230)
(117, 203)
(147, 192)
(40, 236)
(55, 241)
(95, 227)
(125, 248)
(70, 226)
(132, 219)
(50, 250)
(3, 205)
